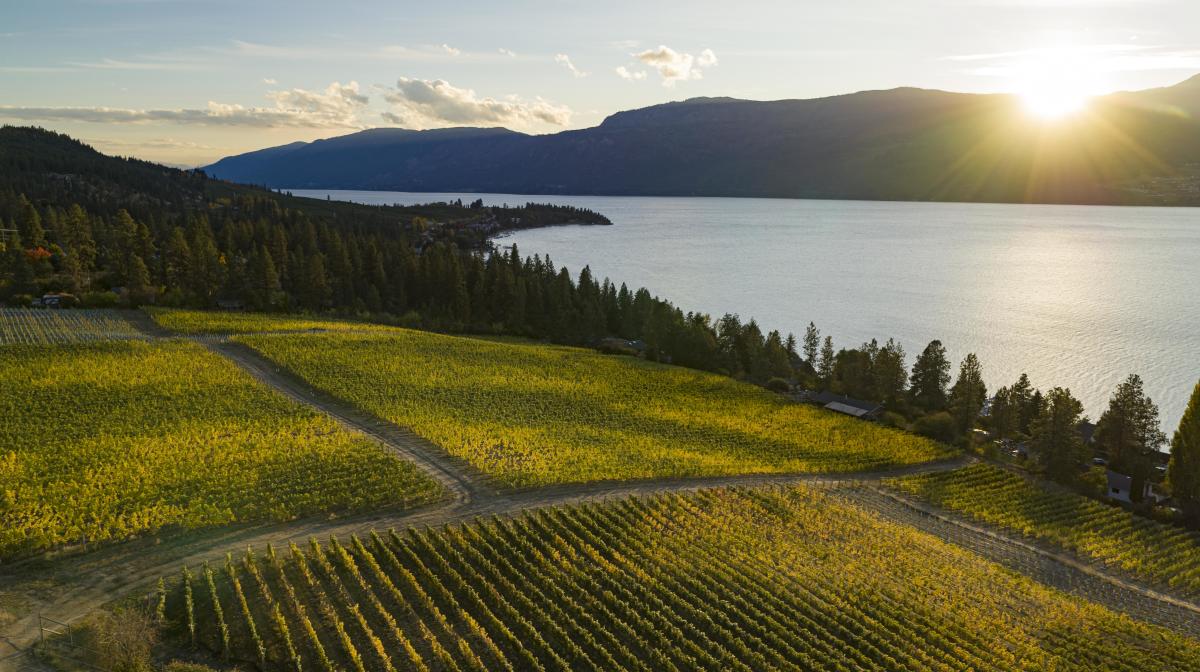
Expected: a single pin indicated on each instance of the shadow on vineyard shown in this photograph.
(747, 579)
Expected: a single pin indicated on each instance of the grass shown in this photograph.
(1158, 553)
(772, 578)
(533, 415)
(212, 322)
(110, 440)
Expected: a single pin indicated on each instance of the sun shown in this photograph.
(1053, 105)
(1056, 83)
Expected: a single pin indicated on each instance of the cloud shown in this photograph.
(451, 50)
(1096, 59)
(149, 64)
(337, 107)
(566, 62)
(270, 81)
(423, 103)
(674, 66)
(507, 52)
(630, 75)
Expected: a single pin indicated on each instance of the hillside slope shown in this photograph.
(900, 144)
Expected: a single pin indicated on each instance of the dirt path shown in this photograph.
(1055, 569)
(73, 586)
(462, 481)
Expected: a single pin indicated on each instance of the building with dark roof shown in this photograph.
(864, 410)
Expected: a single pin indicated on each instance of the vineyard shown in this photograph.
(209, 322)
(773, 578)
(105, 441)
(1161, 554)
(531, 415)
(46, 327)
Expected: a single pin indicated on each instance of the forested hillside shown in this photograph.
(900, 144)
(120, 231)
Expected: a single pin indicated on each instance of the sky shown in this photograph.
(186, 82)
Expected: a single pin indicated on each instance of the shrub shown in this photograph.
(123, 639)
(779, 385)
(937, 426)
(100, 300)
(180, 666)
(891, 419)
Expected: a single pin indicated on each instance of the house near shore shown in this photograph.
(863, 410)
(1121, 489)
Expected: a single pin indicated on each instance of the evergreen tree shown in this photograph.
(1128, 432)
(317, 291)
(852, 374)
(80, 247)
(812, 341)
(177, 259)
(139, 287)
(930, 375)
(779, 363)
(1005, 414)
(890, 373)
(16, 266)
(1055, 439)
(968, 394)
(825, 365)
(1183, 474)
(29, 223)
(1023, 400)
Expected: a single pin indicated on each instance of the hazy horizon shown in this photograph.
(187, 84)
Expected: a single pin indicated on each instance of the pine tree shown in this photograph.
(1128, 432)
(317, 284)
(177, 259)
(825, 366)
(968, 394)
(1055, 439)
(29, 223)
(1183, 474)
(812, 341)
(890, 373)
(930, 375)
(1005, 414)
(1026, 405)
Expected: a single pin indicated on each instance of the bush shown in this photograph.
(891, 419)
(100, 300)
(122, 639)
(937, 426)
(180, 666)
(779, 385)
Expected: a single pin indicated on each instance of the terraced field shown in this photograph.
(45, 327)
(532, 415)
(1160, 554)
(108, 440)
(770, 578)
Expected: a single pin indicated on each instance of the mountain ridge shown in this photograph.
(905, 143)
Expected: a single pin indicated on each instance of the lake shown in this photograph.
(1077, 296)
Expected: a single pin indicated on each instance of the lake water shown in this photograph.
(1077, 296)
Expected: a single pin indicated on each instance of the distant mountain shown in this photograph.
(900, 144)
